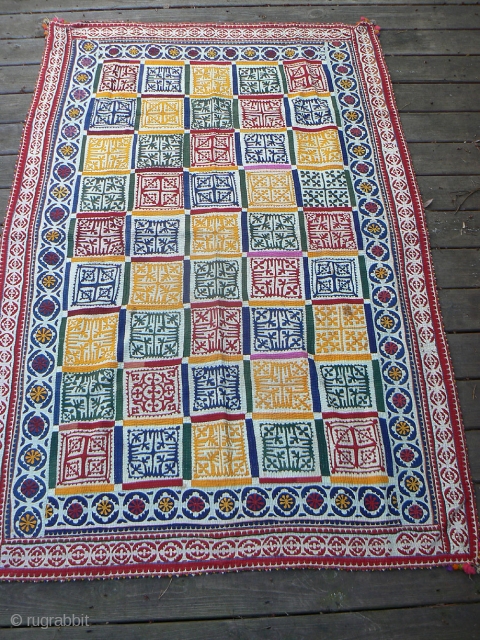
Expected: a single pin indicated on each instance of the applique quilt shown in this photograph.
(220, 340)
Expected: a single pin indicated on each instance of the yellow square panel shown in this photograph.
(211, 80)
(108, 153)
(161, 114)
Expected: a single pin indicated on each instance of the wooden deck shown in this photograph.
(433, 54)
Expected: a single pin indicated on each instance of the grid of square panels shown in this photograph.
(216, 327)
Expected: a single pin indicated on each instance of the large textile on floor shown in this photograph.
(220, 341)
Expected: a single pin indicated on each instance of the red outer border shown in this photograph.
(432, 293)
(172, 568)
(17, 184)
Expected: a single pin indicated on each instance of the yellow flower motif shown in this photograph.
(359, 150)
(352, 116)
(48, 511)
(394, 499)
(173, 51)
(402, 428)
(38, 393)
(286, 501)
(395, 373)
(66, 150)
(81, 77)
(60, 192)
(290, 53)
(343, 501)
(226, 504)
(165, 504)
(373, 228)
(49, 281)
(412, 483)
(88, 46)
(345, 83)
(386, 322)
(211, 53)
(381, 273)
(250, 53)
(73, 112)
(366, 187)
(32, 456)
(52, 236)
(133, 51)
(338, 55)
(43, 335)
(104, 507)
(28, 522)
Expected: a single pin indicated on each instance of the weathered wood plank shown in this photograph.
(421, 42)
(430, 42)
(449, 230)
(465, 352)
(441, 127)
(28, 25)
(473, 446)
(434, 159)
(469, 395)
(460, 309)
(7, 166)
(37, 6)
(437, 97)
(449, 192)
(429, 69)
(403, 69)
(451, 622)
(237, 594)
(14, 107)
(411, 98)
(457, 268)
(10, 138)
(19, 79)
